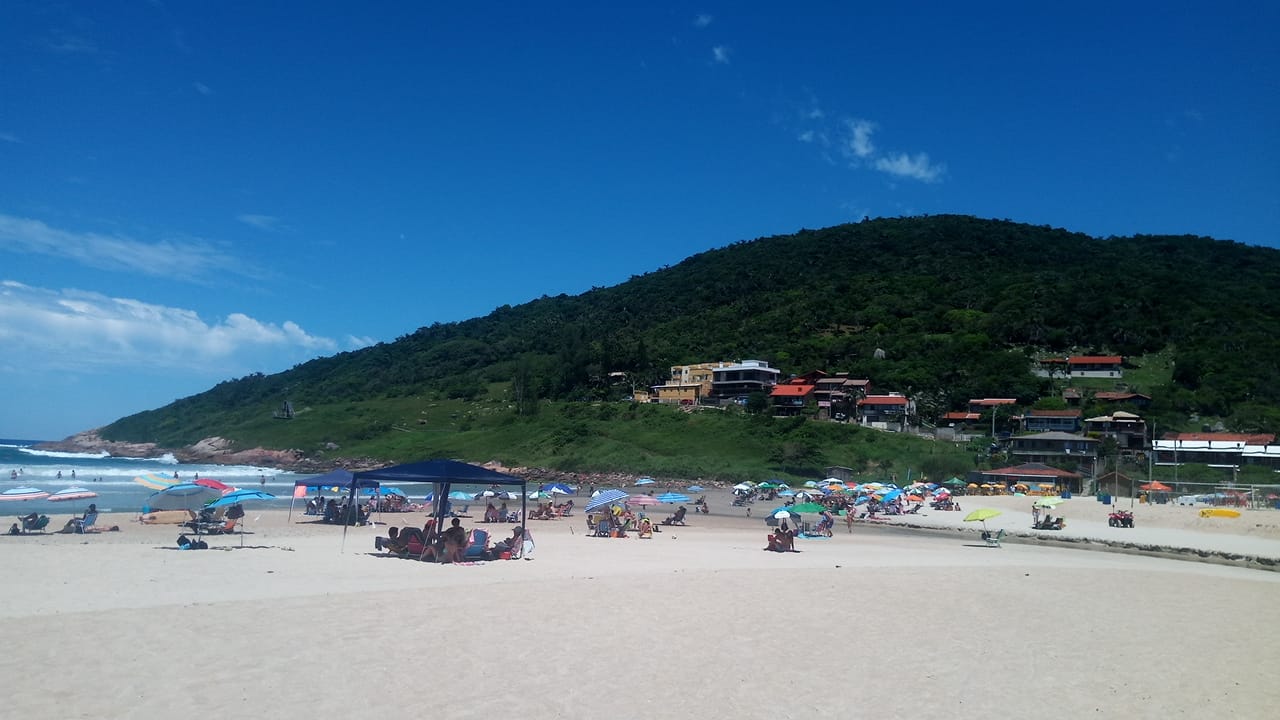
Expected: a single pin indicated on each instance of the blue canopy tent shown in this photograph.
(339, 478)
(442, 474)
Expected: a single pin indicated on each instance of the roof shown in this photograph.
(1070, 393)
(1120, 396)
(1123, 417)
(1248, 439)
(1055, 436)
(961, 416)
(791, 390)
(1031, 470)
(883, 400)
(988, 402)
(1095, 360)
(1052, 413)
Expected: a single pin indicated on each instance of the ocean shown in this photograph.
(112, 478)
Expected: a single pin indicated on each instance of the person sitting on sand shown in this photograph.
(392, 542)
(490, 513)
(783, 539)
(454, 541)
(510, 545)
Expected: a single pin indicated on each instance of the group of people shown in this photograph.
(332, 511)
(448, 546)
(548, 511)
(493, 514)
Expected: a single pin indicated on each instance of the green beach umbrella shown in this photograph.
(809, 507)
(981, 515)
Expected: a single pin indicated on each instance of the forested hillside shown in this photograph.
(958, 305)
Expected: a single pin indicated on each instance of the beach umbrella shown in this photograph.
(605, 498)
(743, 486)
(394, 491)
(807, 508)
(643, 500)
(954, 482)
(767, 485)
(460, 496)
(23, 493)
(981, 515)
(671, 497)
(215, 484)
(557, 489)
(154, 481)
(1048, 502)
(645, 481)
(185, 496)
(811, 483)
(72, 493)
(239, 496)
(695, 488)
(891, 496)
(1156, 486)
(787, 493)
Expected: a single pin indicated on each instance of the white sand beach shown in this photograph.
(696, 622)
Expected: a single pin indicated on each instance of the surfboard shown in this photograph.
(1219, 512)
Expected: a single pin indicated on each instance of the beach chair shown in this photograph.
(993, 540)
(36, 525)
(220, 528)
(676, 518)
(83, 525)
(477, 545)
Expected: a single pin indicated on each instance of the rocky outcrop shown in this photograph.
(211, 450)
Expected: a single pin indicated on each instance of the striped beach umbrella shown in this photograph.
(72, 493)
(643, 500)
(605, 498)
(23, 493)
(154, 481)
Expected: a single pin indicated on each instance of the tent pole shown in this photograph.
(346, 517)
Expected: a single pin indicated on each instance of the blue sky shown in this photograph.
(192, 192)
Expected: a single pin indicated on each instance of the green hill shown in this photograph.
(957, 305)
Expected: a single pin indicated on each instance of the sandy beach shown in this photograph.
(696, 622)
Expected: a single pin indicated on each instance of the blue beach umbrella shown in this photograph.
(645, 481)
(239, 496)
(671, 497)
(695, 488)
(605, 498)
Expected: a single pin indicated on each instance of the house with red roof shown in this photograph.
(888, 411)
(791, 398)
(1067, 421)
(1104, 366)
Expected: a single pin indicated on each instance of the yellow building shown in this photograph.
(688, 383)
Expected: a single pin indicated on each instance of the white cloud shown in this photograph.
(859, 143)
(720, 54)
(79, 330)
(702, 20)
(917, 167)
(354, 342)
(262, 222)
(182, 258)
(9, 137)
(202, 88)
(807, 136)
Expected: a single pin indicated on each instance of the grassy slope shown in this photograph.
(599, 437)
